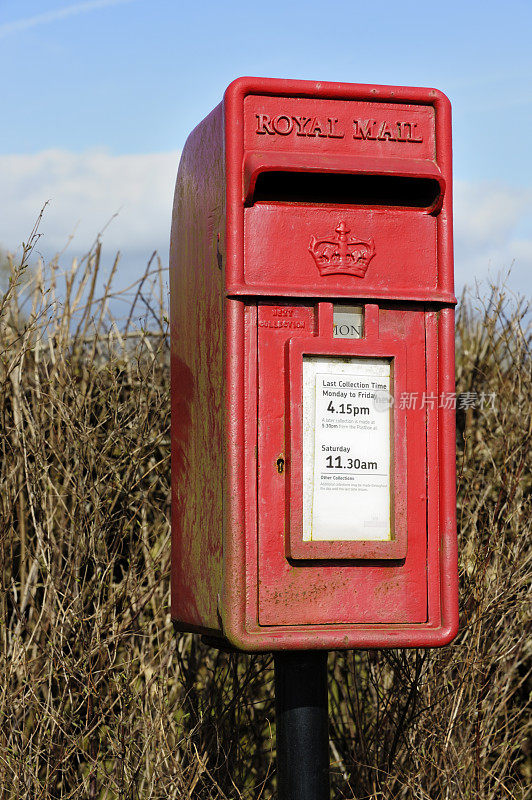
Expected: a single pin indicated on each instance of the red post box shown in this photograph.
(312, 324)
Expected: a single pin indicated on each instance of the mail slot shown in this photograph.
(312, 361)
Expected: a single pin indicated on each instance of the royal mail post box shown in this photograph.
(312, 314)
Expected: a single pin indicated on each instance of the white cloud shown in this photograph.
(487, 212)
(17, 25)
(492, 221)
(493, 233)
(85, 190)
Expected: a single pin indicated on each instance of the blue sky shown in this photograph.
(98, 98)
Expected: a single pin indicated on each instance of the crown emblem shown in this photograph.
(341, 254)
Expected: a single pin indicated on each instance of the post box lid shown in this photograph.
(293, 137)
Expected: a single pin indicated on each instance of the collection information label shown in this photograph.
(346, 450)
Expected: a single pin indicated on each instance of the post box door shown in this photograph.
(331, 588)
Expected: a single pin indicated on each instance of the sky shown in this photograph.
(99, 97)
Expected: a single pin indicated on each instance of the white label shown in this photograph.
(348, 322)
(346, 449)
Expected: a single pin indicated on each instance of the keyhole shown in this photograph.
(280, 465)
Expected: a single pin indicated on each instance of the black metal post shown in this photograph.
(302, 725)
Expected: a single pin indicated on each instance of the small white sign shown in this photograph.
(346, 449)
(348, 322)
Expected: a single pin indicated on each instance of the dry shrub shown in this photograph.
(100, 699)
